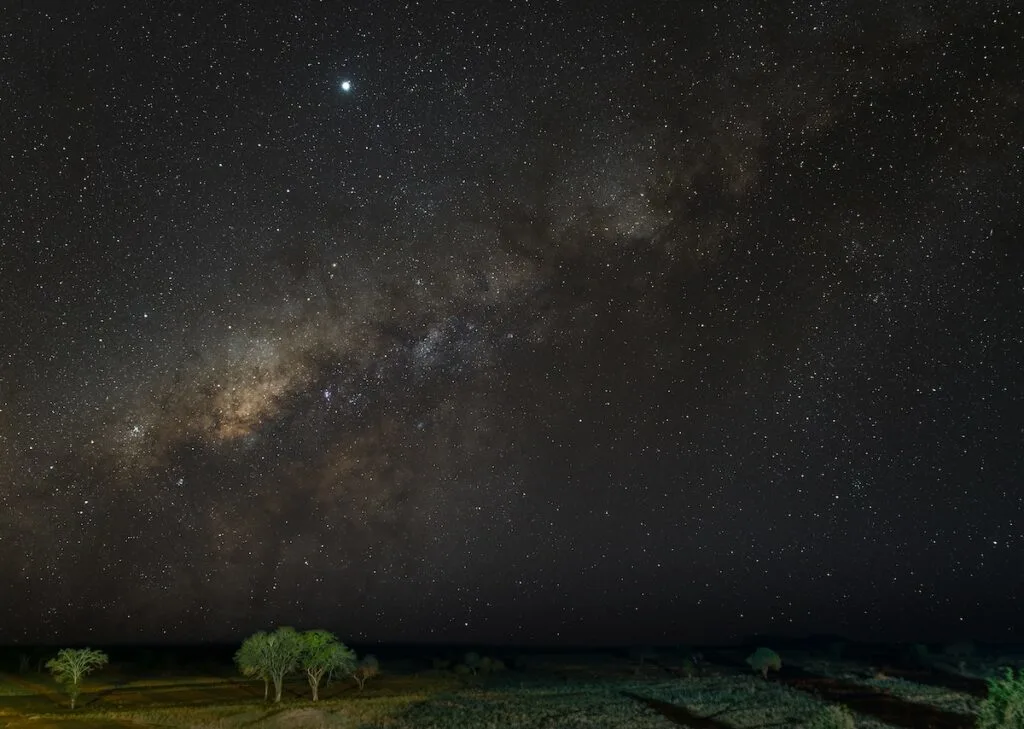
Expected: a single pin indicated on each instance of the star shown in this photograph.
(541, 317)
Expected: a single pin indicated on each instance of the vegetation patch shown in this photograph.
(936, 697)
(743, 701)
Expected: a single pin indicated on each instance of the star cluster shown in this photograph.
(490, 322)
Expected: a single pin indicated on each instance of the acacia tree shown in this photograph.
(71, 665)
(272, 656)
(323, 654)
(252, 660)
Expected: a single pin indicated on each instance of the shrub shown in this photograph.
(1004, 707)
(832, 717)
(366, 669)
(763, 659)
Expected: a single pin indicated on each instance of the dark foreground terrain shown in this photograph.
(883, 686)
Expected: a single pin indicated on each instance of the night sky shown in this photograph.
(511, 322)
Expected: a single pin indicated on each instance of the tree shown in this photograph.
(71, 665)
(270, 656)
(367, 668)
(251, 659)
(764, 658)
(323, 654)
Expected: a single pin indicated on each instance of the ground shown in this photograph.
(593, 690)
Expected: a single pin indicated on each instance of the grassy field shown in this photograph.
(595, 694)
(437, 703)
(938, 697)
(408, 702)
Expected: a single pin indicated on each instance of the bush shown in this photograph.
(763, 659)
(1004, 707)
(832, 717)
(366, 669)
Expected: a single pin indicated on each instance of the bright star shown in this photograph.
(346, 86)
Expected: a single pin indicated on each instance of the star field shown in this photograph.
(637, 323)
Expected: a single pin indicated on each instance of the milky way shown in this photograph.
(626, 325)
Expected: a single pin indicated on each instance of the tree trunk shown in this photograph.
(266, 688)
(314, 677)
(278, 680)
